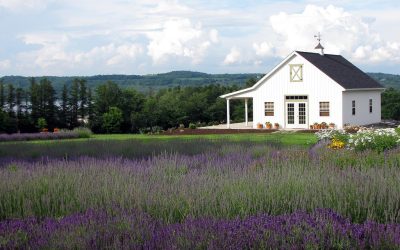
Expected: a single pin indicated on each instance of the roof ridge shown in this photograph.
(316, 53)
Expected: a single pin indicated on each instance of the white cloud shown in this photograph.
(342, 33)
(214, 36)
(54, 53)
(44, 39)
(233, 57)
(17, 5)
(263, 49)
(110, 54)
(179, 37)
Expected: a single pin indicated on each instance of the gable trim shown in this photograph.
(366, 89)
(255, 86)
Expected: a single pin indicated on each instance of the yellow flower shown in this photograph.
(336, 144)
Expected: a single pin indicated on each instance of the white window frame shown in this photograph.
(269, 109)
(324, 109)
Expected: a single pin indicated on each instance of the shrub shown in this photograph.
(192, 126)
(378, 139)
(329, 134)
(41, 124)
(83, 132)
(156, 129)
(151, 130)
(112, 120)
(398, 130)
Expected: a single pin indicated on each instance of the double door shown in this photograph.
(296, 115)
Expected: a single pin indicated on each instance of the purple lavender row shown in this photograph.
(129, 229)
(38, 136)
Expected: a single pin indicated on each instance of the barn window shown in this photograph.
(370, 105)
(269, 109)
(353, 107)
(324, 108)
(296, 72)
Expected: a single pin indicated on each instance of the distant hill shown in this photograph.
(176, 78)
(145, 82)
(387, 80)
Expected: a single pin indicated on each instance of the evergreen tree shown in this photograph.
(64, 107)
(18, 101)
(2, 96)
(34, 100)
(90, 110)
(26, 103)
(83, 99)
(11, 100)
(48, 99)
(74, 103)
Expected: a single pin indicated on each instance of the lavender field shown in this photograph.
(186, 194)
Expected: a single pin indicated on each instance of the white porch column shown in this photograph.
(246, 113)
(228, 116)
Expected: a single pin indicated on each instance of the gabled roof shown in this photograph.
(341, 71)
(336, 67)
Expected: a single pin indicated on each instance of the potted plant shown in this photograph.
(276, 125)
(259, 125)
(324, 125)
(268, 125)
(316, 125)
(332, 125)
(311, 127)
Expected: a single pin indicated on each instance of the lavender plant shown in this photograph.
(233, 180)
(196, 194)
(39, 136)
(131, 229)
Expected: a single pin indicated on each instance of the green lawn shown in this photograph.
(286, 138)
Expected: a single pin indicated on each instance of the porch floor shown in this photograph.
(241, 125)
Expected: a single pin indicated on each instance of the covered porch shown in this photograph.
(244, 94)
(244, 125)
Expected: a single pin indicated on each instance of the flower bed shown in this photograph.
(361, 138)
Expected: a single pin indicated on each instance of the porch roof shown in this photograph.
(240, 94)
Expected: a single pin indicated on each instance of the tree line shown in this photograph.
(109, 108)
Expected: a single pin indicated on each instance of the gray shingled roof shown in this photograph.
(341, 71)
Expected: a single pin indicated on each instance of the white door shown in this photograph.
(296, 115)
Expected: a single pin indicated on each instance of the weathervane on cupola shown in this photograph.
(319, 46)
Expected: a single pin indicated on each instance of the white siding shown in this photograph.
(316, 85)
(362, 116)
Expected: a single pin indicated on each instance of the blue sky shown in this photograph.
(88, 37)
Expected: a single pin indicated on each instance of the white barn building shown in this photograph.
(307, 88)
